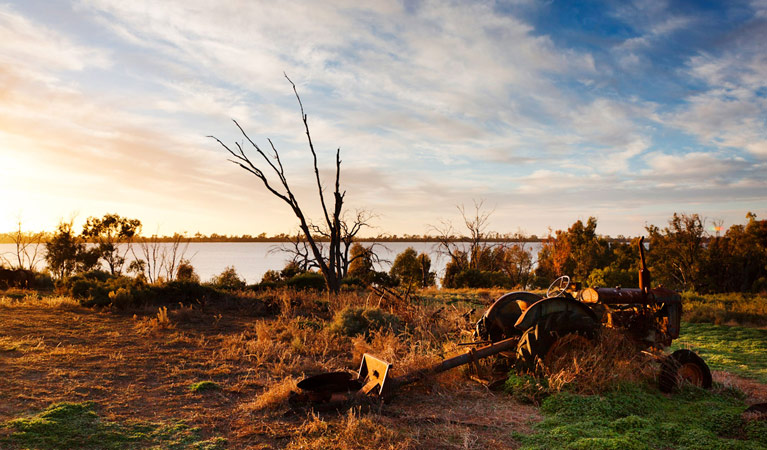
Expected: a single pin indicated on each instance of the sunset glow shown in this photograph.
(549, 112)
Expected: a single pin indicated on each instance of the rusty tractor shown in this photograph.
(533, 331)
(545, 327)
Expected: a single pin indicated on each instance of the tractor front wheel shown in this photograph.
(683, 366)
(553, 337)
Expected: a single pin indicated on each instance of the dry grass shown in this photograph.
(161, 321)
(31, 299)
(354, 431)
(140, 367)
(275, 396)
(592, 370)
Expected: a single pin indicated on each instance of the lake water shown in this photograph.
(253, 259)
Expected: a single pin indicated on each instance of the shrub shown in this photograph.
(290, 270)
(356, 321)
(121, 298)
(183, 292)
(263, 285)
(271, 276)
(361, 262)
(307, 280)
(612, 277)
(474, 278)
(382, 279)
(124, 292)
(24, 279)
(228, 279)
(410, 268)
(185, 272)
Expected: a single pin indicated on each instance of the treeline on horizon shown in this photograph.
(682, 256)
(11, 237)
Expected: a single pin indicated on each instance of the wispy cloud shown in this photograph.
(433, 103)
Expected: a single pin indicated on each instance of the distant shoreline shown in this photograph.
(5, 239)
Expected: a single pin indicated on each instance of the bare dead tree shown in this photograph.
(28, 246)
(174, 254)
(330, 264)
(157, 257)
(465, 250)
(476, 222)
(300, 252)
(152, 257)
(447, 242)
(350, 226)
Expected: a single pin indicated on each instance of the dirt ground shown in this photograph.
(136, 367)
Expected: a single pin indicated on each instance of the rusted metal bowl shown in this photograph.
(326, 390)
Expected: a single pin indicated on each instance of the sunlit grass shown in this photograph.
(637, 416)
(740, 350)
(77, 425)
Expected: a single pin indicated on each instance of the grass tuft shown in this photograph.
(204, 386)
(356, 321)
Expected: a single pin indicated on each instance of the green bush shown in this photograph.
(352, 283)
(474, 278)
(356, 321)
(612, 277)
(264, 285)
(93, 289)
(307, 280)
(185, 272)
(183, 292)
(271, 276)
(228, 279)
(124, 292)
(411, 269)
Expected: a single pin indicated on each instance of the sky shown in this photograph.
(548, 112)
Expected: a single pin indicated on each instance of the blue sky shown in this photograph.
(548, 111)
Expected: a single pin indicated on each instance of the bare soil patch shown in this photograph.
(142, 367)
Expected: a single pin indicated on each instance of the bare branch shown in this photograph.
(307, 249)
(314, 153)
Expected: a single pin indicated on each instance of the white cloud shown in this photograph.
(432, 105)
(24, 44)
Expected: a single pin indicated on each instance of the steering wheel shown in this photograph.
(558, 287)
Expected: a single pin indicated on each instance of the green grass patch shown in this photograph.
(77, 425)
(203, 386)
(739, 350)
(732, 308)
(460, 298)
(640, 417)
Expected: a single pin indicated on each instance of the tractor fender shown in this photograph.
(543, 308)
(498, 321)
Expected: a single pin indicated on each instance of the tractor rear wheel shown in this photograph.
(553, 337)
(683, 366)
